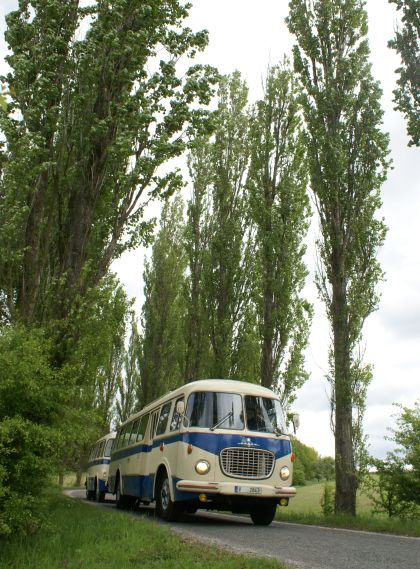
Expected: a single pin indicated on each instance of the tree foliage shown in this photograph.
(32, 401)
(407, 44)
(90, 120)
(279, 212)
(347, 163)
(163, 318)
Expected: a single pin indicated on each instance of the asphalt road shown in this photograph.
(306, 547)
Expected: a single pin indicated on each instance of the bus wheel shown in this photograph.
(263, 515)
(166, 508)
(99, 496)
(121, 501)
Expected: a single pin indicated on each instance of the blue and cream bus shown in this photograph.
(98, 467)
(211, 444)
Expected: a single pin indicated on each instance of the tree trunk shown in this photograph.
(346, 484)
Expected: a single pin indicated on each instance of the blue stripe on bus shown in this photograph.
(212, 442)
(99, 461)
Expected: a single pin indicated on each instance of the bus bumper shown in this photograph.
(238, 488)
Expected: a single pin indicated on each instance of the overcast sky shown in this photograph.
(248, 35)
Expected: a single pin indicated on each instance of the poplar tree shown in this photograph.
(90, 118)
(225, 275)
(162, 364)
(347, 163)
(407, 44)
(279, 209)
(196, 243)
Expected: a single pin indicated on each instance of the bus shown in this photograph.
(211, 444)
(98, 467)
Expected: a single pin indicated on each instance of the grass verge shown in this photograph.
(81, 536)
(306, 508)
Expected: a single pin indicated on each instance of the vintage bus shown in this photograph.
(98, 467)
(211, 444)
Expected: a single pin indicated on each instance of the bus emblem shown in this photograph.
(246, 442)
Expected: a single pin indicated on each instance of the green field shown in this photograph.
(306, 508)
(80, 536)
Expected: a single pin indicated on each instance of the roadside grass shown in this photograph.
(306, 508)
(80, 535)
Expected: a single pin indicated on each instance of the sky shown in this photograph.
(249, 35)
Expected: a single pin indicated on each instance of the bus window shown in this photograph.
(133, 436)
(121, 437)
(163, 418)
(108, 448)
(101, 449)
(206, 409)
(127, 434)
(153, 424)
(176, 418)
(264, 415)
(142, 428)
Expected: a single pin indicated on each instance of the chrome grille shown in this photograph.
(247, 463)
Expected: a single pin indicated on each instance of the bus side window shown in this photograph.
(133, 437)
(108, 448)
(142, 428)
(176, 418)
(121, 437)
(153, 424)
(163, 418)
(101, 449)
(127, 434)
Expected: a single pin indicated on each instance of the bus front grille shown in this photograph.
(247, 463)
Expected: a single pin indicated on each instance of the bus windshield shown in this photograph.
(264, 415)
(206, 409)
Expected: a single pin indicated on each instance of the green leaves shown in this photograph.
(407, 44)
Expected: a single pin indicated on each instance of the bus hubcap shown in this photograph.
(165, 494)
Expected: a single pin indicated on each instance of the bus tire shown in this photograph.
(166, 508)
(122, 502)
(99, 496)
(263, 514)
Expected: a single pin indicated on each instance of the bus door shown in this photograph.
(147, 463)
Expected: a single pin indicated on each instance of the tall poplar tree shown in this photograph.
(279, 209)
(162, 364)
(90, 118)
(196, 243)
(225, 274)
(407, 44)
(347, 162)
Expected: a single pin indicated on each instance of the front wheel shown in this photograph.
(167, 509)
(263, 514)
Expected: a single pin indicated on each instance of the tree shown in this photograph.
(86, 129)
(196, 244)
(347, 164)
(407, 45)
(129, 380)
(225, 273)
(163, 317)
(279, 212)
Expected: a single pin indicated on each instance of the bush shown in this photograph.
(29, 438)
(328, 499)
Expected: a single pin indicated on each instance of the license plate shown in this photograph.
(247, 490)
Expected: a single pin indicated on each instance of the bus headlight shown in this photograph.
(202, 467)
(284, 473)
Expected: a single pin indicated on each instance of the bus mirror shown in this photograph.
(180, 407)
(295, 421)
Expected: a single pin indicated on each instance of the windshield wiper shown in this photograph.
(228, 416)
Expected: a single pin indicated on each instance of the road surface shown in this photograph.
(302, 546)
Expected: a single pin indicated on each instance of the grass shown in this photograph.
(81, 536)
(306, 508)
